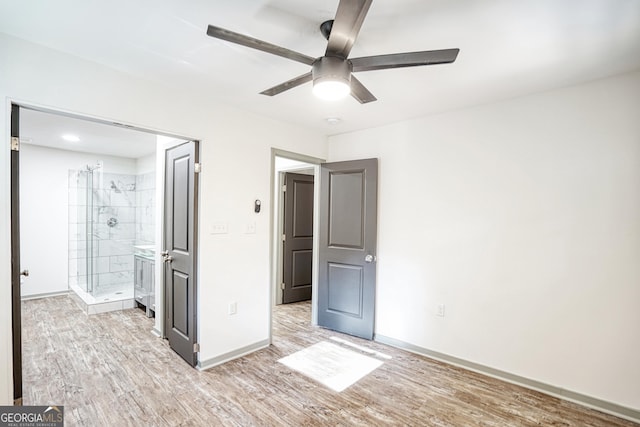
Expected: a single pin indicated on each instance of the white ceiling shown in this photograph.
(45, 129)
(508, 48)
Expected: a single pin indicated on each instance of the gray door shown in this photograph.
(181, 186)
(348, 229)
(15, 255)
(298, 240)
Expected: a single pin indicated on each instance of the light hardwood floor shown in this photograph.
(109, 370)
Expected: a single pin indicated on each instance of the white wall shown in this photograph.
(523, 219)
(44, 218)
(146, 164)
(37, 75)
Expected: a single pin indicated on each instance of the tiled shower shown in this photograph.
(109, 214)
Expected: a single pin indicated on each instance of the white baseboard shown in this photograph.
(44, 295)
(572, 396)
(218, 360)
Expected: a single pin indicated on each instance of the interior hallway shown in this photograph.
(108, 369)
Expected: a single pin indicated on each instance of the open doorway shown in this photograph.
(97, 184)
(87, 215)
(295, 226)
(343, 276)
(294, 201)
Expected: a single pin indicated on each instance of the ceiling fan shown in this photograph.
(332, 73)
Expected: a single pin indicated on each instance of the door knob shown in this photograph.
(166, 257)
(369, 258)
(24, 273)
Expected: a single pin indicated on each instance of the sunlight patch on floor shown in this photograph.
(361, 348)
(331, 365)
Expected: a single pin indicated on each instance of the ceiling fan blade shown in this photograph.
(409, 59)
(346, 26)
(230, 36)
(361, 93)
(297, 81)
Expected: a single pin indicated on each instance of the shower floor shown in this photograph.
(109, 299)
(113, 293)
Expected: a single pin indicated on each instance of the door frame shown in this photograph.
(275, 229)
(21, 104)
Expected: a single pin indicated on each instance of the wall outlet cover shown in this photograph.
(233, 308)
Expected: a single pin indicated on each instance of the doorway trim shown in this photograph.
(273, 240)
(96, 119)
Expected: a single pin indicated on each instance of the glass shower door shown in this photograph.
(90, 244)
(83, 222)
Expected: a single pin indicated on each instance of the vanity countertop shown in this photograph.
(147, 251)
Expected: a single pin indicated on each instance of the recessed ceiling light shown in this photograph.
(71, 138)
(333, 120)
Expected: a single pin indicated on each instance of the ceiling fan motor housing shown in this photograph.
(331, 68)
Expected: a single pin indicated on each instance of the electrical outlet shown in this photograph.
(233, 308)
(440, 310)
(250, 228)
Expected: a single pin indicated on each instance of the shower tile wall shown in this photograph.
(115, 231)
(114, 214)
(127, 203)
(77, 229)
(145, 208)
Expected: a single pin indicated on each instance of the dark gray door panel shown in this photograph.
(181, 185)
(348, 232)
(298, 244)
(16, 308)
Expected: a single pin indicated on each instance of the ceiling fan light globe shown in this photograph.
(331, 78)
(331, 90)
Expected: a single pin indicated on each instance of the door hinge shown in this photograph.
(284, 237)
(196, 347)
(284, 188)
(282, 286)
(197, 167)
(15, 143)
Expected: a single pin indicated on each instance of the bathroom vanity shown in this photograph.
(144, 278)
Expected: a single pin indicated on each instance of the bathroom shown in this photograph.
(88, 212)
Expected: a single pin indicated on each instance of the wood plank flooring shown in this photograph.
(109, 370)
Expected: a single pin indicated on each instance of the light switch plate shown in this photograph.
(219, 228)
